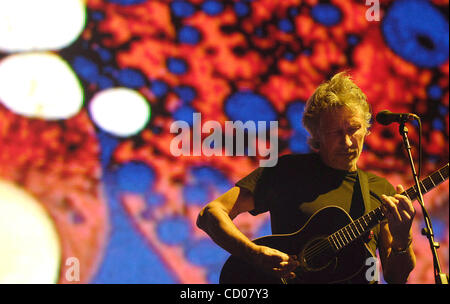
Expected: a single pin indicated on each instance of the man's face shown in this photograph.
(341, 137)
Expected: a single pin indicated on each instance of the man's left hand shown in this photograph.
(400, 214)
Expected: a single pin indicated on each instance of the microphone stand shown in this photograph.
(439, 276)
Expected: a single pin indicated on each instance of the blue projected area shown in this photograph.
(86, 68)
(206, 180)
(89, 71)
(177, 66)
(241, 9)
(135, 177)
(182, 9)
(184, 113)
(128, 258)
(159, 88)
(286, 25)
(189, 35)
(248, 106)
(211, 177)
(127, 2)
(212, 7)
(205, 252)
(418, 32)
(196, 194)
(435, 91)
(298, 141)
(326, 14)
(131, 78)
(174, 230)
(185, 93)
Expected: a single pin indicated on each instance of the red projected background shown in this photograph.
(122, 204)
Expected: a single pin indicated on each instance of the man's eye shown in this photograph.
(333, 132)
(354, 130)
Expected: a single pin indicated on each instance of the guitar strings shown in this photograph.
(316, 248)
(324, 244)
(321, 246)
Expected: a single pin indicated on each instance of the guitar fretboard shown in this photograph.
(362, 225)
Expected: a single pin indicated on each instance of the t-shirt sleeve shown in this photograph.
(259, 182)
(389, 189)
(380, 186)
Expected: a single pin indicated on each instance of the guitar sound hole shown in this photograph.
(316, 255)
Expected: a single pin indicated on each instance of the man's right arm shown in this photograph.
(216, 219)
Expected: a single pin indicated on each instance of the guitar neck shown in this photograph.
(362, 225)
(429, 183)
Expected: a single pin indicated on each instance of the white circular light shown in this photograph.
(40, 85)
(30, 248)
(120, 111)
(30, 25)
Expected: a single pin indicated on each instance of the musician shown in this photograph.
(337, 116)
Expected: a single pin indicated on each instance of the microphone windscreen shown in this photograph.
(384, 118)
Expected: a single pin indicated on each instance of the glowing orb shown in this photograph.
(120, 111)
(30, 25)
(40, 85)
(30, 249)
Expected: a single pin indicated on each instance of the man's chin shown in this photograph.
(345, 166)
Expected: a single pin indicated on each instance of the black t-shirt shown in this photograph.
(299, 185)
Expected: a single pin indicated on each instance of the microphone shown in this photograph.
(386, 117)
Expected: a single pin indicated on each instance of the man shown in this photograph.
(337, 116)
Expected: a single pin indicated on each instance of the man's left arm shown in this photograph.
(396, 253)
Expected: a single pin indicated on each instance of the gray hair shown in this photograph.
(339, 91)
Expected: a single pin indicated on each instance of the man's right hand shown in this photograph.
(276, 262)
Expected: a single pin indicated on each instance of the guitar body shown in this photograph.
(330, 266)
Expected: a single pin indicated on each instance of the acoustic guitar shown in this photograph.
(329, 247)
